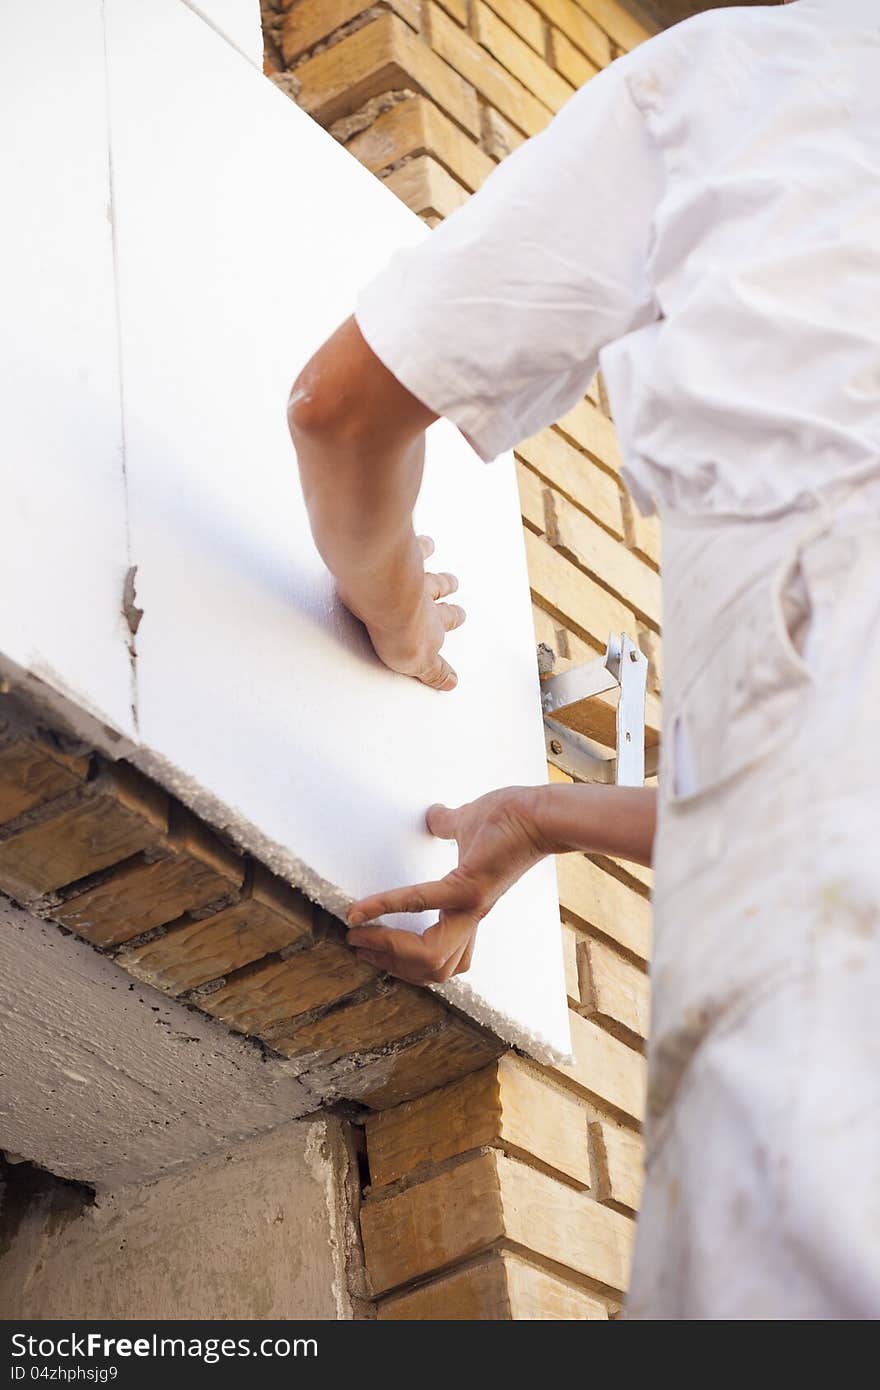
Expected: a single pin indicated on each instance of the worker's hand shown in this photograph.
(497, 842)
(407, 635)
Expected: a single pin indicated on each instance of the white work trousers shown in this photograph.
(762, 1196)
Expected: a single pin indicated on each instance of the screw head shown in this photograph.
(555, 746)
(633, 656)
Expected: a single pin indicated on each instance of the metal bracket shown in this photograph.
(623, 665)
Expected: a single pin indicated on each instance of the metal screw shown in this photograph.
(555, 746)
(634, 656)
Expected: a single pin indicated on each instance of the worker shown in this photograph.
(702, 220)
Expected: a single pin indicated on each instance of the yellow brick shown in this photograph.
(579, 538)
(642, 532)
(87, 829)
(524, 20)
(591, 897)
(620, 1164)
(452, 1052)
(425, 186)
(195, 870)
(380, 57)
(507, 1105)
(490, 1197)
(518, 58)
(579, 27)
(500, 138)
(359, 1028)
(33, 769)
(269, 917)
(457, 9)
(576, 476)
(573, 597)
(613, 991)
(568, 60)
(488, 76)
(605, 1069)
(264, 999)
(416, 127)
(616, 21)
(587, 427)
(497, 1287)
(310, 21)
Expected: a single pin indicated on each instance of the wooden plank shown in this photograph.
(605, 1069)
(497, 1287)
(363, 1027)
(98, 824)
(264, 998)
(482, 71)
(575, 475)
(568, 60)
(425, 186)
(597, 718)
(380, 57)
(464, 1210)
(579, 27)
(591, 898)
(614, 992)
(444, 1056)
(417, 126)
(619, 1163)
(195, 869)
(508, 1105)
(588, 427)
(517, 57)
(572, 596)
(269, 917)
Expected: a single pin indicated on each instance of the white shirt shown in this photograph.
(703, 221)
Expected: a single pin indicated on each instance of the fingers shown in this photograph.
(439, 675)
(451, 615)
(429, 959)
(442, 821)
(439, 585)
(427, 546)
(417, 897)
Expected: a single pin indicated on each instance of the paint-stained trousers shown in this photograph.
(762, 1195)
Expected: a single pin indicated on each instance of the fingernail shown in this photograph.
(355, 919)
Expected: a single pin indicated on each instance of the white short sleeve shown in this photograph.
(497, 318)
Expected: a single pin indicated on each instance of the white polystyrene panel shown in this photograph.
(244, 232)
(63, 551)
(238, 21)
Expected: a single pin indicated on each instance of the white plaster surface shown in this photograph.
(252, 1233)
(243, 233)
(105, 1080)
(63, 552)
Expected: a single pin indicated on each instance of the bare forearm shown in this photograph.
(618, 821)
(360, 504)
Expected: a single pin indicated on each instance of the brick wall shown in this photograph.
(510, 1193)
